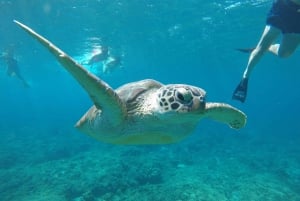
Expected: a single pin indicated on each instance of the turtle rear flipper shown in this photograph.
(227, 114)
(103, 96)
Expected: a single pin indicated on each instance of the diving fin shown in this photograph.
(240, 93)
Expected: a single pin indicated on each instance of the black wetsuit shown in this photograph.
(285, 15)
(13, 69)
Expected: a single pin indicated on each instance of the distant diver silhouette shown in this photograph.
(13, 67)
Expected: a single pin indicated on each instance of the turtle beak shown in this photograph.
(198, 104)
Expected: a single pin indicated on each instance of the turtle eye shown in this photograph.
(180, 96)
(184, 95)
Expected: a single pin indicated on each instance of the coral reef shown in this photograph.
(203, 168)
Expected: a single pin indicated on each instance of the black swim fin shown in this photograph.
(245, 50)
(240, 93)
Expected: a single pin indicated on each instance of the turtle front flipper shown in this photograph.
(225, 113)
(100, 92)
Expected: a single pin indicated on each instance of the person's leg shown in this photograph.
(288, 45)
(268, 37)
(25, 83)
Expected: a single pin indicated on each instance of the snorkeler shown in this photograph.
(111, 63)
(101, 55)
(13, 67)
(284, 19)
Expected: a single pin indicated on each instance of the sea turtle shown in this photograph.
(142, 112)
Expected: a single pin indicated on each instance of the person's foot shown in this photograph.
(240, 93)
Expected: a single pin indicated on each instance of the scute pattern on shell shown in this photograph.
(129, 92)
(135, 94)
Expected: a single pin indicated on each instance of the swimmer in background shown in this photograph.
(103, 57)
(13, 67)
(99, 56)
(111, 63)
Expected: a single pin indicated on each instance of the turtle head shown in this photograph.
(181, 98)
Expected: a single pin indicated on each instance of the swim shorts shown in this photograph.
(284, 15)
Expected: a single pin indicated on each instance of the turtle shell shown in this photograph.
(129, 93)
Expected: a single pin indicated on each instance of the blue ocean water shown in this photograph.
(43, 157)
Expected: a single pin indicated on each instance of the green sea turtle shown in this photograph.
(142, 112)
